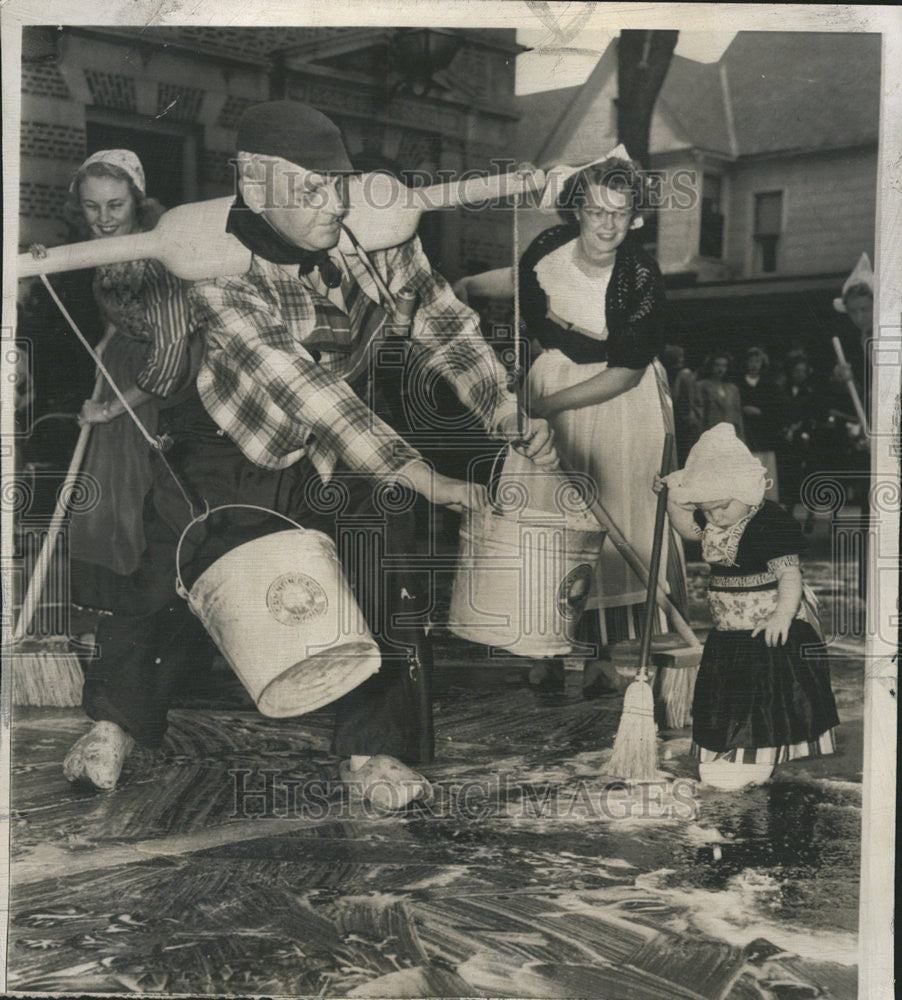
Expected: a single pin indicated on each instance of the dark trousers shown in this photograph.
(152, 646)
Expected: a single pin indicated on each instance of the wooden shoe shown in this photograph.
(729, 776)
(596, 684)
(99, 755)
(385, 782)
(546, 677)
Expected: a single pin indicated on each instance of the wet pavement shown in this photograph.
(529, 875)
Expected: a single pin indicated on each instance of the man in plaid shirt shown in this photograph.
(285, 380)
(283, 361)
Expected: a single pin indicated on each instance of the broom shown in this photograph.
(678, 665)
(678, 668)
(850, 385)
(49, 677)
(635, 751)
(677, 688)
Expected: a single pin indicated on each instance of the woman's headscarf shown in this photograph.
(719, 467)
(124, 159)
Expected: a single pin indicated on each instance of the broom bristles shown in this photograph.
(44, 678)
(635, 754)
(677, 690)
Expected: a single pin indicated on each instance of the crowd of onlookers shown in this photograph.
(796, 419)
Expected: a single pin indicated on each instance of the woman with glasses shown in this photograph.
(593, 302)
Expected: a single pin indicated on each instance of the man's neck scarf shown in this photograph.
(264, 241)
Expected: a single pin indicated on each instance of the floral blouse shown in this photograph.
(744, 560)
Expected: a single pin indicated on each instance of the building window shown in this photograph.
(710, 243)
(168, 151)
(768, 223)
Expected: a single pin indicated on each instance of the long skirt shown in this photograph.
(616, 448)
(116, 472)
(756, 703)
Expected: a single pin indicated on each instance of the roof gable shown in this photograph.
(771, 92)
(540, 112)
(575, 124)
(693, 95)
(584, 103)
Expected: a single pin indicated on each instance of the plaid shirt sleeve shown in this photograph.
(265, 390)
(167, 315)
(448, 334)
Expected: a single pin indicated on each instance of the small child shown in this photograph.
(763, 694)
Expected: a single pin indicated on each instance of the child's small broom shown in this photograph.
(635, 755)
(678, 674)
(48, 675)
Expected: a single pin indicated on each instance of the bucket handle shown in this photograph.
(180, 587)
(495, 479)
(495, 476)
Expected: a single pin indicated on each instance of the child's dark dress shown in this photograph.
(756, 703)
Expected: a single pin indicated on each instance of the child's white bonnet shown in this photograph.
(719, 467)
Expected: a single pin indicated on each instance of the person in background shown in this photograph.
(761, 415)
(802, 410)
(857, 303)
(717, 398)
(682, 391)
(150, 352)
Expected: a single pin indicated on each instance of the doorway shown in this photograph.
(167, 151)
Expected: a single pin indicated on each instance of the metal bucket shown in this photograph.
(283, 616)
(522, 581)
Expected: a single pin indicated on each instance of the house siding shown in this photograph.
(829, 208)
(678, 218)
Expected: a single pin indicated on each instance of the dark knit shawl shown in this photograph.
(264, 241)
(635, 306)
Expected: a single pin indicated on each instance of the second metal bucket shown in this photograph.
(522, 580)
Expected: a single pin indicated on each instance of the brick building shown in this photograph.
(424, 104)
(414, 101)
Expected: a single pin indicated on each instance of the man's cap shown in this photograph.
(297, 133)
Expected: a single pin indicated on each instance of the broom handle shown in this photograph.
(475, 190)
(631, 558)
(850, 385)
(654, 563)
(42, 565)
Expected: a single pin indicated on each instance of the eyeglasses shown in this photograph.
(601, 214)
